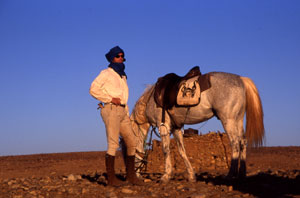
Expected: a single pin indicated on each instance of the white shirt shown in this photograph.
(108, 84)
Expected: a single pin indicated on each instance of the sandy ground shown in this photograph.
(271, 172)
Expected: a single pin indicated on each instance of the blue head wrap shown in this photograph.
(113, 52)
(117, 67)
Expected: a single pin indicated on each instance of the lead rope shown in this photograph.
(188, 109)
(185, 118)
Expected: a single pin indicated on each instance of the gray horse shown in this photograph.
(229, 98)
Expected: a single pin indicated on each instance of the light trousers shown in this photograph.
(117, 122)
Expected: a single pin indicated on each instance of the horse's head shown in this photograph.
(139, 121)
(141, 132)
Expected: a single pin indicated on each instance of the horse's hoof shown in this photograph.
(138, 175)
(192, 179)
(165, 179)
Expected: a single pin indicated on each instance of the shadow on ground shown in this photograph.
(101, 179)
(263, 184)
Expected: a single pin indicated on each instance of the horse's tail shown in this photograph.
(255, 131)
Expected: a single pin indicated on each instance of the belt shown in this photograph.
(121, 105)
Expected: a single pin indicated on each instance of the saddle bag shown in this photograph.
(189, 92)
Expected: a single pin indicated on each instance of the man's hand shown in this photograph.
(116, 101)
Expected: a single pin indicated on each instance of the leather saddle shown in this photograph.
(167, 87)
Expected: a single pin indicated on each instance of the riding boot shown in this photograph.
(110, 170)
(131, 175)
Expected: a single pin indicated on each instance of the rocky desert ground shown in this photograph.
(271, 172)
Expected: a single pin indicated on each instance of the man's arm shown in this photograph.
(97, 89)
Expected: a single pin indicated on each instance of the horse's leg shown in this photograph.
(165, 138)
(231, 128)
(243, 149)
(242, 169)
(179, 139)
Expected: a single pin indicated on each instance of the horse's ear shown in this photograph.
(183, 89)
(194, 86)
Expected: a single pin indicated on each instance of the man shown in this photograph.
(110, 87)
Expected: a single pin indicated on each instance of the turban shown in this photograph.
(113, 52)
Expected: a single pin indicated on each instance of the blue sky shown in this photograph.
(51, 50)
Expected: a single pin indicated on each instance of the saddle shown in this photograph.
(168, 87)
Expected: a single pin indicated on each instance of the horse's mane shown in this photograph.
(139, 110)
